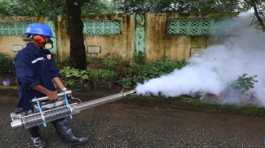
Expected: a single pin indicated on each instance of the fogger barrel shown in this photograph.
(38, 118)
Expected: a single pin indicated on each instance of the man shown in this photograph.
(38, 76)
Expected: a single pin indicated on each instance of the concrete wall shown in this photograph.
(161, 45)
(100, 46)
(158, 44)
(10, 44)
(119, 45)
(62, 38)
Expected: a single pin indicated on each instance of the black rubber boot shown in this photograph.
(65, 132)
(37, 142)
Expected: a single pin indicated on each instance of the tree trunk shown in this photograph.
(258, 17)
(254, 4)
(75, 28)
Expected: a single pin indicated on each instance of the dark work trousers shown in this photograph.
(58, 124)
(34, 132)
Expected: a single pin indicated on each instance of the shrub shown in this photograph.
(102, 75)
(110, 71)
(138, 73)
(139, 57)
(245, 83)
(111, 63)
(78, 78)
(5, 64)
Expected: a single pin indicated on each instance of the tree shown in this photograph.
(47, 8)
(53, 8)
(259, 10)
(199, 7)
(73, 11)
(180, 6)
(75, 28)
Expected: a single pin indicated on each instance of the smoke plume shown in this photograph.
(240, 51)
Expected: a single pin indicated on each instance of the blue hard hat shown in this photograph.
(39, 29)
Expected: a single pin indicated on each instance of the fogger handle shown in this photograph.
(46, 98)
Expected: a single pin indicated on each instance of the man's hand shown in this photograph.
(52, 95)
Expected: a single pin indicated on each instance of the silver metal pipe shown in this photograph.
(35, 119)
(101, 101)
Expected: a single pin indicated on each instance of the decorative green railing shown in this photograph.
(102, 27)
(139, 33)
(12, 28)
(192, 27)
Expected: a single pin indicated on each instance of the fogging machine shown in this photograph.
(45, 111)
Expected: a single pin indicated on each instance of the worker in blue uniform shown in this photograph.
(38, 76)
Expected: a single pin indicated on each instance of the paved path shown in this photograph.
(128, 124)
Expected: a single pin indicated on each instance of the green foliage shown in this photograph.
(48, 8)
(138, 73)
(5, 64)
(139, 57)
(69, 72)
(98, 6)
(111, 63)
(259, 11)
(115, 71)
(245, 83)
(53, 8)
(77, 78)
(181, 6)
(102, 75)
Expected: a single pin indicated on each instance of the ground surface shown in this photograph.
(132, 124)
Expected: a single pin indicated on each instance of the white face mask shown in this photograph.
(48, 45)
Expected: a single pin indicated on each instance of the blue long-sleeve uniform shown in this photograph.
(33, 67)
